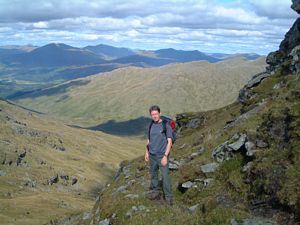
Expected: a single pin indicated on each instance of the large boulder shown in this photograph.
(209, 168)
(237, 143)
(240, 141)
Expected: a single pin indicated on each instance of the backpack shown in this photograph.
(165, 120)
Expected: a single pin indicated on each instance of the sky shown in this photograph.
(228, 26)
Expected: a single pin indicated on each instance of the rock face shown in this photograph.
(296, 5)
(292, 38)
(285, 60)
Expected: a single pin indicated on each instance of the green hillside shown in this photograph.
(126, 93)
(49, 170)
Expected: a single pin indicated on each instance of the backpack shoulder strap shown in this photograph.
(164, 123)
(150, 125)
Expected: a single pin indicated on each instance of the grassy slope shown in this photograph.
(229, 182)
(89, 156)
(126, 93)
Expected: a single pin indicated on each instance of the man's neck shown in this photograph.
(158, 121)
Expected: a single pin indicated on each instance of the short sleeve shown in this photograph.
(169, 131)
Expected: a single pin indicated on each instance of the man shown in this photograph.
(157, 152)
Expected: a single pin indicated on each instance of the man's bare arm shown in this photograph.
(164, 159)
(169, 145)
(147, 151)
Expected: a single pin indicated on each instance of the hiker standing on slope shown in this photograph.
(159, 143)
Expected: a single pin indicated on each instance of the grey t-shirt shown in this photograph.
(158, 139)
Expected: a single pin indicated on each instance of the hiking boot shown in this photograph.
(169, 201)
(153, 195)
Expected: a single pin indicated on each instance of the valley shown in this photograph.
(49, 170)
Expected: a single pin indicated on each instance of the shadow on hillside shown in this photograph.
(79, 72)
(133, 127)
(58, 89)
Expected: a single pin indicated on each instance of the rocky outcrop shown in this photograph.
(296, 5)
(245, 115)
(245, 93)
(20, 158)
(64, 178)
(286, 60)
(292, 38)
(189, 121)
(237, 143)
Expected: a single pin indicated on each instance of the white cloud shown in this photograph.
(273, 8)
(205, 25)
(40, 24)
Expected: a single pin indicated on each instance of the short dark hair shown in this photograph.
(154, 108)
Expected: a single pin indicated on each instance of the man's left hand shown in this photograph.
(164, 161)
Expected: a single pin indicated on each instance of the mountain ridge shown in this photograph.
(27, 68)
(123, 93)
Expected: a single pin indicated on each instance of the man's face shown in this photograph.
(155, 115)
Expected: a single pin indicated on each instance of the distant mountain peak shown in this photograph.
(109, 52)
(57, 45)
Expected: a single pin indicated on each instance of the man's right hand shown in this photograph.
(147, 156)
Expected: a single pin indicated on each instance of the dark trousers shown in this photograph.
(155, 165)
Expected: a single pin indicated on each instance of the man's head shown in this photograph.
(155, 113)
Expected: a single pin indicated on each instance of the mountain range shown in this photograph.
(28, 67)
(59, 54)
